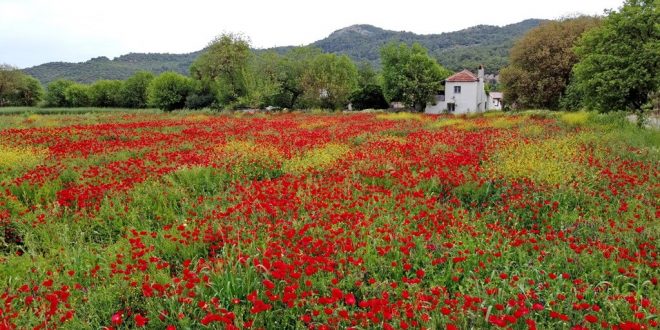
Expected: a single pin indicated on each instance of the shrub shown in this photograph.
(55, 94)
(28, 92)
(369, 97)
(17, 88)
(134, 92)
(77, 95)
(201, 96)
(169, 91)
(106, 93)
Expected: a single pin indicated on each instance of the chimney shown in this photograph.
(480, 73)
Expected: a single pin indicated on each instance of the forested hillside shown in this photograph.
(483, 44)
(121, 67)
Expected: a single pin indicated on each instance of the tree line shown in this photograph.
(229, 75)
(598, 63)
(603, 64)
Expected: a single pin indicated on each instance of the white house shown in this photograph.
(464, 93)
(495, 100)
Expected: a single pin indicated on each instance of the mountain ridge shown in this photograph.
(466, 48)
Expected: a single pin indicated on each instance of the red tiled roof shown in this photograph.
(463, 76)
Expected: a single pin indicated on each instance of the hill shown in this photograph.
(482, 44)
(120, 67)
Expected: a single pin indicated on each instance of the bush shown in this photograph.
(134, 92)
(17, 88)
(199, 101)
(202, 96)
(77, 95)
(169, 91)
(29, 92)
(106, 93)
(55, 94)
(369, 97)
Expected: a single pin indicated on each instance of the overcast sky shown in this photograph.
(38, 31)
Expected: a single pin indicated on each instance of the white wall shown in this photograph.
(439, 107)
(466, 100)
(471, 99)
(494, 104)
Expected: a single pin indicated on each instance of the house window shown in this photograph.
(457, 89)
(451, 107)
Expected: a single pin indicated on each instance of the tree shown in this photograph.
(541, 62)
(29, 92)
(55, 96)
(369, 94)
(169, 91)
(9, 80)
(201, 95)
(134, 92)
(17, 88)
(291, 69)
(369, 97)
(78, 95)
(367, 75)
(223, 64)
(329, 81)
(411, 75)
(261, 82)
(106, 93)
(619, 65)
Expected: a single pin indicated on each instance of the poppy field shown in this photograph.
(126, 219)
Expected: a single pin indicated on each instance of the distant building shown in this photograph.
(495, 100)
(397, 105)
(464, 93)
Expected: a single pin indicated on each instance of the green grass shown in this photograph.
(198, 220)
(68, 111)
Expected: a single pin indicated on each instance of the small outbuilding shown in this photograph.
(495, 100)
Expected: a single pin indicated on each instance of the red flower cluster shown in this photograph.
(148, 221)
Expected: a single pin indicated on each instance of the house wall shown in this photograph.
(494, 104)
(466, 101)
(482, 99)
(471, 99)
(439, 107)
